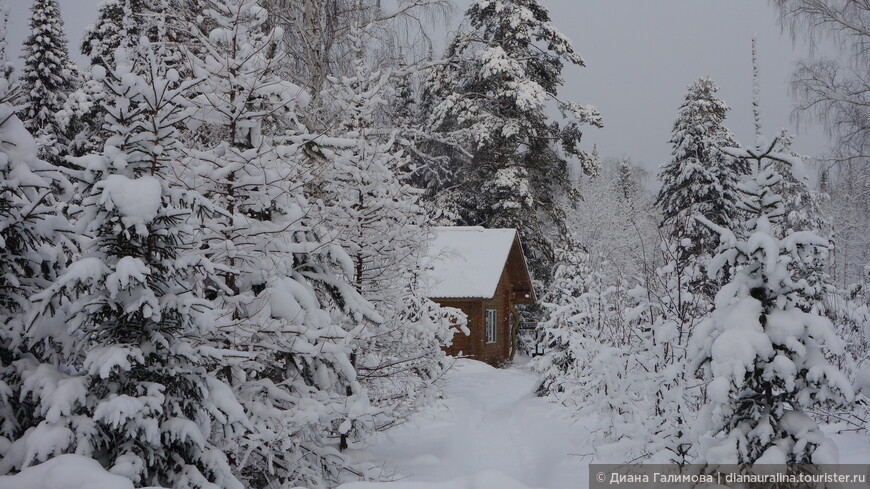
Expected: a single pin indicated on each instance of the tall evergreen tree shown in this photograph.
(490, 95)
(120, 23)
(626, 181)
(107, 33)
(83, 116)
(803, 213)
(49, 76)
(700, 178)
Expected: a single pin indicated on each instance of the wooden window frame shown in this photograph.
(490, 338)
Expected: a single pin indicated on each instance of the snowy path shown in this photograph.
(492, 432)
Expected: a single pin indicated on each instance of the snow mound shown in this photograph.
(66, 472)
(15, 141)
(136, 200)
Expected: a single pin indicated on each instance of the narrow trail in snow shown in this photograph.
(492, 429)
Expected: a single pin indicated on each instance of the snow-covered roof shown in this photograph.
(467, 262)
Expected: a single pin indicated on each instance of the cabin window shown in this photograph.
(490, 325)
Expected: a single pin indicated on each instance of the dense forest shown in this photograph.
(213, 240)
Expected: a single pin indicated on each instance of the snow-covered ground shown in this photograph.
(493, 432)
(854, 448)
(490, 432)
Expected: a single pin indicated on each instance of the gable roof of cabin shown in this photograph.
(467, 262)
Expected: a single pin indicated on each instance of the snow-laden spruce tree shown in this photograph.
(700, 178)
(490, 93)
(287, 304)
(119, 24)
(802, 207)
(384, 229)
(132, 388)
(33, 248)
(48, 76)
(848, 309)
(82, 117)
(803, 204)
(764, 356)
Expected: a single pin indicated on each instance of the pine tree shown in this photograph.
(140, 398)
(108, 33)
(763, 354)
(288, 305)
(49, 76)
(627, 182)
(33, 249)
(803, 205)
(82, 116)
(700, 178)
(490, 96)
(803, 212)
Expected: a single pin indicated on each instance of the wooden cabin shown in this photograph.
(483, 272)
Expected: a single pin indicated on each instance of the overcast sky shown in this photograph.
(640, 55)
